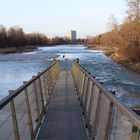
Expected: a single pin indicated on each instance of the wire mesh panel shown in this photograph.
(103, 118)
(21, 115)
(87, 101)
(75, 74)
(84, 94)
(33, 105)
(43, 87)
(94, 105)
(6, 123)
(53, 75)
(79, 80)
(121, 128)
(49, 78)
(39, 94)
(48, 82)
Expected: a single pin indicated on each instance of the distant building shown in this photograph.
(71, 35)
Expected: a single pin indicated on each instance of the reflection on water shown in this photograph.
(14, 68)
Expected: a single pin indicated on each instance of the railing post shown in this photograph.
(28, 110)
(14, 118)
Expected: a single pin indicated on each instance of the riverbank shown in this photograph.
(17, 50)
(26, 48)
(118, 57)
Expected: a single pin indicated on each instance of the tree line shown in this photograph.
(123, 38)
(16, 37)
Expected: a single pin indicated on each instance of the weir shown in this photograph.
(64, 104)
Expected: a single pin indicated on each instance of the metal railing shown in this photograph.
(22, 111)
(106, 117)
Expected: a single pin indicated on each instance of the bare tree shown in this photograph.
(112, 23)
(134, 10)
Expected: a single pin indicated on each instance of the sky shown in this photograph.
(56, 17)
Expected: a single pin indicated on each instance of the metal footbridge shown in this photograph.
(66, 104)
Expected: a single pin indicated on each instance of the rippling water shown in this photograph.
(15, 68)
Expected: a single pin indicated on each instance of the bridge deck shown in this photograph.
(63, 119)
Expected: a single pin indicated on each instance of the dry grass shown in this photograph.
(15, 50)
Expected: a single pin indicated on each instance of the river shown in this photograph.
(18, 67)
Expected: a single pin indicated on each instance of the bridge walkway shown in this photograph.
(63, 119)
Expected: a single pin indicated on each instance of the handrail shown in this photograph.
(126, 110)
(22, 111)
(79, 74)
(9, 97)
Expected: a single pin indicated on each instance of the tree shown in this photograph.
(16, 36)
(3, 36)
(112, 23)
(133, 10)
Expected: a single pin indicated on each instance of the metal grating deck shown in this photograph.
(63, 120)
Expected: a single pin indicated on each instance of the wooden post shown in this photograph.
(14, 118)
(28, 110)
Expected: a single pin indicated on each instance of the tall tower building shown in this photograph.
(71, 35)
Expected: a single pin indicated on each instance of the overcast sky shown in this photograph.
(56, 17)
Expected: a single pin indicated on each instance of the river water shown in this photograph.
(16, 68)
